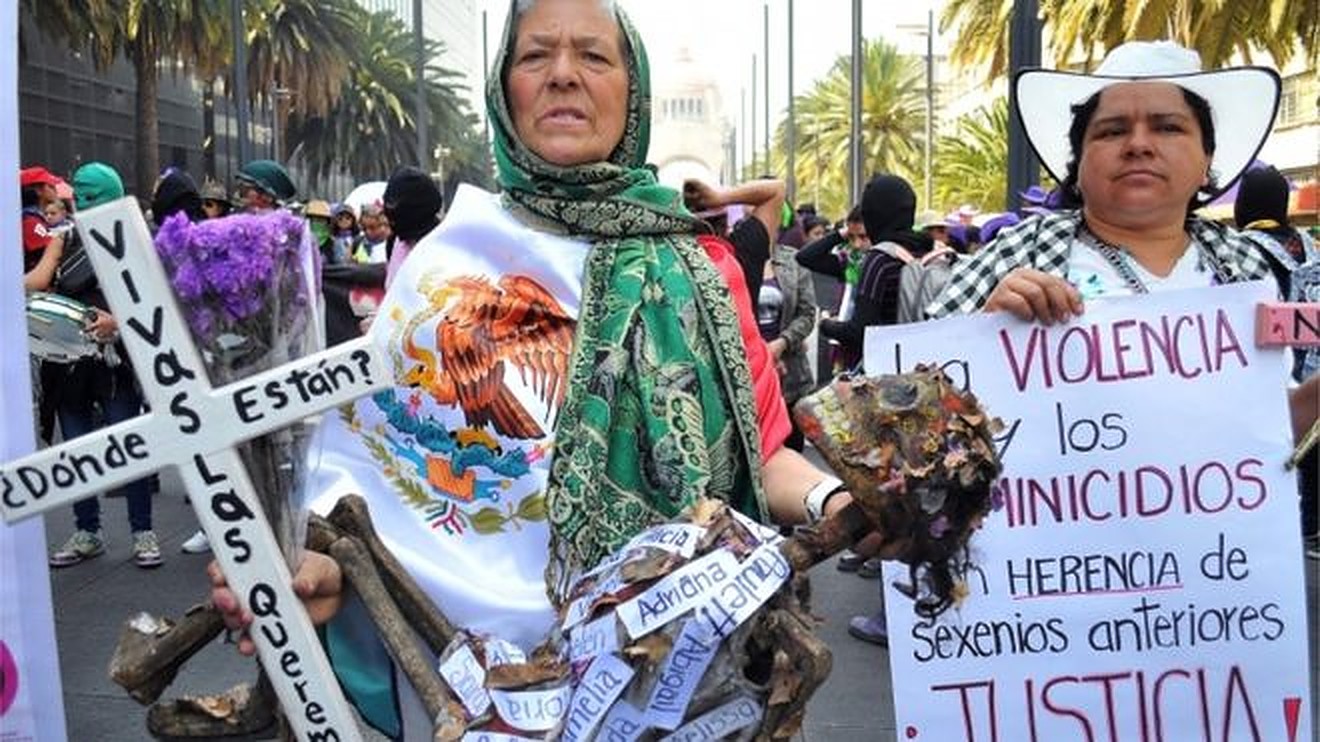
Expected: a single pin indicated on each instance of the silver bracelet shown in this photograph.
(814, 501)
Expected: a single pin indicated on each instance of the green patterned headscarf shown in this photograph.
(659, 408)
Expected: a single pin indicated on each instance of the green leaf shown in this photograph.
(532, 508)
(487, 521)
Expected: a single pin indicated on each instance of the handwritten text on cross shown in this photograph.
(195, 428)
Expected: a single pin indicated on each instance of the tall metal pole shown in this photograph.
(240, 79)
(1024, 51)
(419, 40)
(930, 106)
(790, 130)
(765, 16)
(753, 173)
(741, 158)
(485, 72)
(855, 133)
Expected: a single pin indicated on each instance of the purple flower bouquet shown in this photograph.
(246, 284)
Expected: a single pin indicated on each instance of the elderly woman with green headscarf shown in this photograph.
(576, 361)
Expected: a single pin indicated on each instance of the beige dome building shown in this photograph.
(689, 134)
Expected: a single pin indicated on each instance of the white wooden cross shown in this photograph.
(195, 427)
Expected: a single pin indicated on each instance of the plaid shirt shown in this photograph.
(1045, 243)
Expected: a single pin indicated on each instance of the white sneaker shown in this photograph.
(198, 543)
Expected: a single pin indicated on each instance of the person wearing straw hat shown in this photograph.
(1140, 145)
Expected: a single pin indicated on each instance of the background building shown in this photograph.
(689, 133)
(69, 114)
(457, 25)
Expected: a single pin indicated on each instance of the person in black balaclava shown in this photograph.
(412, 207)
(176, 191)
(889, 206)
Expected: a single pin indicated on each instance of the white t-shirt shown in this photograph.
(1095, 277)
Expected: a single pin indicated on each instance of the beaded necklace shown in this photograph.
(1118, 258)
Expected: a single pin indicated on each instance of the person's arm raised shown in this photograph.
(765, 197)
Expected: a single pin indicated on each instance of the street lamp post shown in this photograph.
(930, 105)
(855, 138)
(927, 30)
(419, 39)
(240, 79)
(790, 131)
(278, 96)
(752, 172)
(1024, 51)
(766, 47)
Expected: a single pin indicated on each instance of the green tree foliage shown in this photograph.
(973, 164)
(349, 73)
(304, 46)
(177, 34)
(893, 126)
(371, 128)
(1085, 29)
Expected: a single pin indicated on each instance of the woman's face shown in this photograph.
(816, 232)
(344, 221)
(1142, 158)
(568, 82)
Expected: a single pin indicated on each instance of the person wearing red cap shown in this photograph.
(42, 248)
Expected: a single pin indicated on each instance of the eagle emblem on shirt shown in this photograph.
(485, 328)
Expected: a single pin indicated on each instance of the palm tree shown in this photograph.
(304, 46)
(973, 164)
(184, 34)
(893, 121)
(1214, 28)
(372, 127)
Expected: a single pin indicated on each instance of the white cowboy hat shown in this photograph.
(1243, 101)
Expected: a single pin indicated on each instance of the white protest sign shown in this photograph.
(1143, 579)
(194, 427)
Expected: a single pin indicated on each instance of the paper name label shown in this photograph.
(677, 593)
(500, 652)
(624, 724)
(602, 683)
(747, 588)
(676, 538)
(719, 723)
(467, 678)
(593, 639)
(764, 534)
(580, 609)
(677, 681)
(532, 710)
(494, 737)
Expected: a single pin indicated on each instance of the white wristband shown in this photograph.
(814, 501)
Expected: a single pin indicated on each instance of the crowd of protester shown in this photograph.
(816, 284)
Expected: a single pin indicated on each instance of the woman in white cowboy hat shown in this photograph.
(1137, 146)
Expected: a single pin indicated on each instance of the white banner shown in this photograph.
(1143, 578)
(31, 702)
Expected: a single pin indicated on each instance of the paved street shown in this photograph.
(93, 599)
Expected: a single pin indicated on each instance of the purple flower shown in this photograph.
(240, 275)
